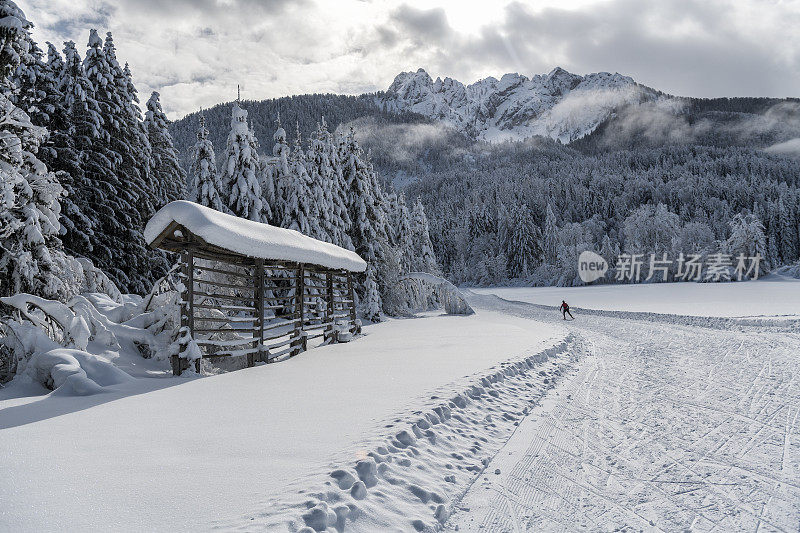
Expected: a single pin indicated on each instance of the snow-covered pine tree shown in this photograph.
(403, 234)
(550, 237)
(113, 193)
(520, 237)
(29, 194)
(167, 172)
(25, 89)
(240, 173)
(321, 184)
(368, 224)
(747, 237)
(80, 128)
(424, 258)
(206, 185)
(129, 138)
(61, 156)
(279, 170)
(372, 299)
(340, 215)
(297, 207)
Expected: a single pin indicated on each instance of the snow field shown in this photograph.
(426, 460)
(661, 427)
(233, 450)
(772, 296)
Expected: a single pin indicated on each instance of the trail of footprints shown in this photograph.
(415, 477)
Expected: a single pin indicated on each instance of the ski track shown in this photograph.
(408, 478)
(665, 424)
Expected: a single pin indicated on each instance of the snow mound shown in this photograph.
(252, 239)
(72, 372)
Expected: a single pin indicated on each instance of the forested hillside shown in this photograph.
(84, 169)
(686, 166)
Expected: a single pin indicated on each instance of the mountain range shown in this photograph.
(559, 105)
(600, 111)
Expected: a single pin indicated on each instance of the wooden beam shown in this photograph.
(330, 334)
(259, 285)
(354, 329)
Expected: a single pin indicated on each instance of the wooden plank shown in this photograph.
(224, 296)
(224, 307)
(278, 344)
(226, 272)
(229, 319)
(222, 284)
(230, 342)
(234, 353)
(280, 353)
(221, 330)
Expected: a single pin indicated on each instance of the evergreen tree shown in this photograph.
(319, 172)
(747, 236)
(368, 223)
(520, 237)
(61, 156)
(75, 137)
(550, 237)
(129, 137)
(425, 260)
(240, 175)
(404, 235)
(372, 299)
(206, 185)
(29, 194)
(167, 172)
(295, 193)
(280, 175)
(112, 196)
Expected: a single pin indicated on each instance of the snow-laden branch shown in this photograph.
(452, 299)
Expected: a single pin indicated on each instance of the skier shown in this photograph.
(565, 309)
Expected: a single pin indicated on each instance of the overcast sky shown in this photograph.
(195, 51)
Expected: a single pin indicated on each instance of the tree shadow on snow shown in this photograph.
(54, 404)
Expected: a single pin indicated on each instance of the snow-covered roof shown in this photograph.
(251, 239)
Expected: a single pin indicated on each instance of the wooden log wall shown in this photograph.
(263, 311)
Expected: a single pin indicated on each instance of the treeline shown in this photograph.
(82, 170)
(525, 211)
(112, 166)
(303, 110)
(327, 189)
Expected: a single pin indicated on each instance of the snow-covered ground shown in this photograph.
(658, 428)
(772, 295)
(507, 420)
(233, 449)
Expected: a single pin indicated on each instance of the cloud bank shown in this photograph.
(195, 52)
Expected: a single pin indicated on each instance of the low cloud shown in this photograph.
(790, 148)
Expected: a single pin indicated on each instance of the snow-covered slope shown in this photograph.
(560, 105)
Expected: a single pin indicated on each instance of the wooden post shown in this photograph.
(330, 331)
(190, 286)
(259, 281)
(177, 364)
(299, 342)
(354, 329)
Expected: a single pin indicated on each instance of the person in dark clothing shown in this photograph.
(565, 310)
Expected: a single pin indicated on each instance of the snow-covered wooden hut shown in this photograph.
(252, 289)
